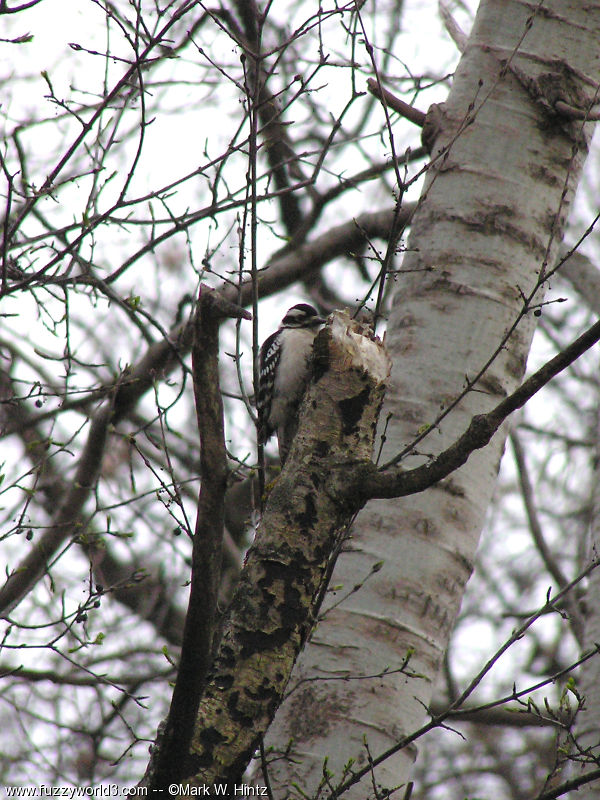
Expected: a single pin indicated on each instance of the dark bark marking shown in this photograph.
(352, 410)
(308, 518)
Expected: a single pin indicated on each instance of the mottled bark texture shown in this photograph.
(272, 612)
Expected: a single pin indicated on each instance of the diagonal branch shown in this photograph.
(411, 113)
(108, 99)
(537, 533)
(64, 522)
(393, 481)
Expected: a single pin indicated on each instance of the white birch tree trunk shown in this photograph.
(492, 214)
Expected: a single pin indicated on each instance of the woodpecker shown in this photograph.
(283, 374)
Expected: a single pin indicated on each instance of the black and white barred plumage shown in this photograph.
(283, 373)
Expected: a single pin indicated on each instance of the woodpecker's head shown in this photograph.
(302, 316)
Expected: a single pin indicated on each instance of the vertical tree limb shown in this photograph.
(206, 552)
(272, 612)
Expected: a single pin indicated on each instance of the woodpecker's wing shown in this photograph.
(268, 359)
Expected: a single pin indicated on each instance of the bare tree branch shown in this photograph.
(64, 523)
(396, 104)
(537, 533)
(196, 653)
(393, 481)
(123, 82)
